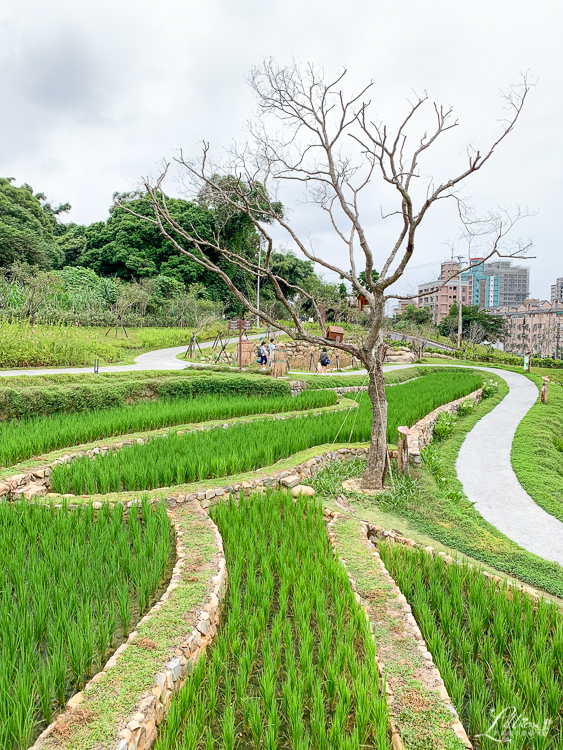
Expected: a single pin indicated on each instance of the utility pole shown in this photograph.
(258, 284)
(459, 259)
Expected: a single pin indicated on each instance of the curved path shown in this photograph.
(485, 471)
(160, 359)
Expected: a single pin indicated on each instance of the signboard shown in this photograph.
(240, 325)
(526, 363)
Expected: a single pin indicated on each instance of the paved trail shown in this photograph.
(161, 359)
(483, 465)
(484, 469)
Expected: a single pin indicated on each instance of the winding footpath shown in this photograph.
(483, 465)
(161, 359)
(485, 471)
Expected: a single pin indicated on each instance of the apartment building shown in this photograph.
(557, 290)
(513, 282)
(534, 327)
(440, 296)
(483, 289)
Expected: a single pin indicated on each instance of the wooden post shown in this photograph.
(240, 346)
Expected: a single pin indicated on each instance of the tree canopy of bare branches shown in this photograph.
(310, 131)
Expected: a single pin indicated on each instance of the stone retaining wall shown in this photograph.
(423, 431)
(332, 517)
(411, 625)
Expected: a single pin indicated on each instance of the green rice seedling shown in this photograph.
(75, 560)
(217, 453)
(287, 700)
(497, 651)
(228, 728)
(45, 691)
(24, 438)
(255, 722)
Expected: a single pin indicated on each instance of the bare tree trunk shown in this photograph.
(376, 469)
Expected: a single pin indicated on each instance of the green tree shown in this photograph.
(27, 226)
(416, 315)
(493, 325)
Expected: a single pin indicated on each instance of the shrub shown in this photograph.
(444, 425)
(102, 394)
(466, 407)
(489, 389)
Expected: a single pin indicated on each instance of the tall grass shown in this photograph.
(69, 584)
(499, 651)
(293, 663)
(21, 439)
(216, 453)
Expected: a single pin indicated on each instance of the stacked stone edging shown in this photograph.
(36, 482)
(411, 626)
(423, 431)
(140, 731)
(332, 517)
(375, 531)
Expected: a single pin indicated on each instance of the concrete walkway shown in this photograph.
(161, 359)
(484, 469)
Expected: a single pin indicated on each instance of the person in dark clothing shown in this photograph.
(324, 361)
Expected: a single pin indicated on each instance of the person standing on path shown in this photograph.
(324, 361)
(263, 355)
(272, 348)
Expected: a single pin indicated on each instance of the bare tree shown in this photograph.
(311, 132)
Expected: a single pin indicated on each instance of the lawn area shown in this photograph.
(537, 449)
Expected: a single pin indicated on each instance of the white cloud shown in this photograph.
(94, 94)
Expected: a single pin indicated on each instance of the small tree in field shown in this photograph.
(309, 131)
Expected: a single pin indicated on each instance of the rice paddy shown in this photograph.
(500, 652)
(71, 586)
(216, 453)
(293, 661)
(21, 439)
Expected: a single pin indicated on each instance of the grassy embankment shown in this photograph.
(432, 508)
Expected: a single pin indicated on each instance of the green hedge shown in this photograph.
(101, 394)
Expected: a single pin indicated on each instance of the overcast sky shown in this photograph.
(94, 94)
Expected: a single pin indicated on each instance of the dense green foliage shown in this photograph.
(293, 663)
(536, 456)
(499, 652)
(69, 584)
(493, 325)
(194, 456)
(33, 437)
(98, 392)
(415, 315)
(27, 225)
